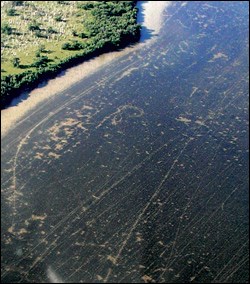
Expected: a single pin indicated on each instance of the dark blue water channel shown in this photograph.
(138, 173)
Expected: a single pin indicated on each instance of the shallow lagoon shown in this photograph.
(138, 172)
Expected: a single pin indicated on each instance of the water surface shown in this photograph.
(139, 172)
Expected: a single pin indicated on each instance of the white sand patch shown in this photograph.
(126, 73)
(218, 56)
(153, 15)
(194, 89)
(183, 119)
(53, 277)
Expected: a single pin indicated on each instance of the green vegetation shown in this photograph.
(40, 38)
(11, 12)
(6, 29)
(16, 62)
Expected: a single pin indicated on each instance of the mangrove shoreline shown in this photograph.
(107, 36)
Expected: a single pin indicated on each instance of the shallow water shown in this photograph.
(138, 172)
